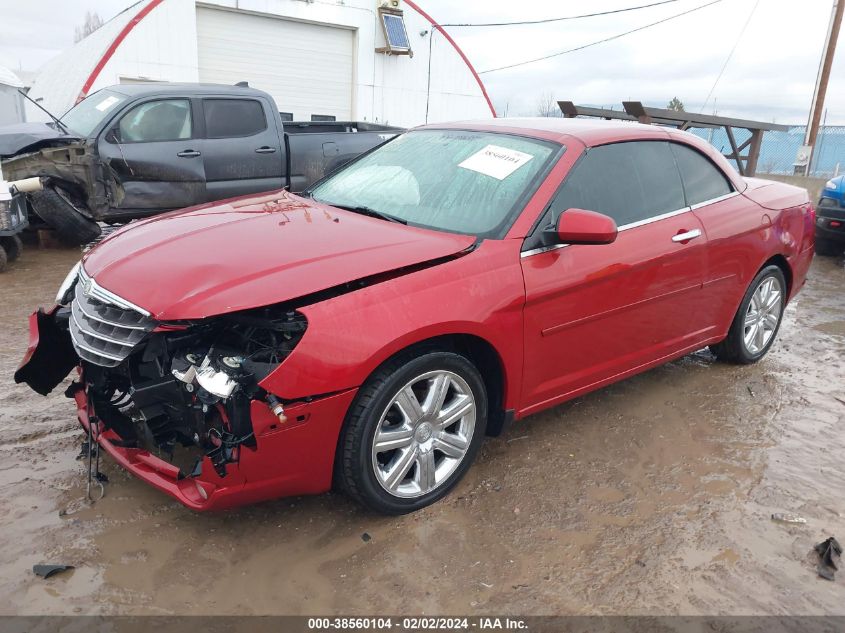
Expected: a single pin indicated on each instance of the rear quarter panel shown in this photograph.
(743, 235)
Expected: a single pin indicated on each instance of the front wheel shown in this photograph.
(412, 432)
(757, 321)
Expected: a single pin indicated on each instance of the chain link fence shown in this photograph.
(779, 149)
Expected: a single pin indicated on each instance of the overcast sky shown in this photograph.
(770, 75)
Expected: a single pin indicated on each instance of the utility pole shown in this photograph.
(805, 154)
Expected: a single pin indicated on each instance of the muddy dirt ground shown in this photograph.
(653, 496)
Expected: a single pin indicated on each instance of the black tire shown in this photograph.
(12, 245)
(56, 209)
(733, 348)
(4, 261)
(355, 470)
(828, 248)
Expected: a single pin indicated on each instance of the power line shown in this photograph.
(607, 39)
(569, 17)
(725, 65)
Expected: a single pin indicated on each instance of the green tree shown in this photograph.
(676, 104)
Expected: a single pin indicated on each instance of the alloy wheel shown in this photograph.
(763, 315)
(423, 434)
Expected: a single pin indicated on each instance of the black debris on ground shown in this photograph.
(45, 571)
(829, 551)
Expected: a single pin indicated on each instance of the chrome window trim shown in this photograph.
(655, 218)
(714, 200)
(624, 227)
(542, 249)
(106, 296)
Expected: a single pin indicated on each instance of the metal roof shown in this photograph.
(8, 78)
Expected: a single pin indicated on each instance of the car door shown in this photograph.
(732, 224)
(243, 151)
(154, 152)
(595, 312)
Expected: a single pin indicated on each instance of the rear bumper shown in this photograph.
(296, 458)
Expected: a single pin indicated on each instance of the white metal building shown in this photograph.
(11, 102)
(347, 59)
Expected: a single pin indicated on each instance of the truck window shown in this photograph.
(227, 118)
(163, 120)
(323, 117)
(86, 115)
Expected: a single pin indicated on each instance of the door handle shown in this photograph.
(266, 150)
(686, 236)
(188, 153)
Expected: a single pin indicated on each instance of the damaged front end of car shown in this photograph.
(180, 404)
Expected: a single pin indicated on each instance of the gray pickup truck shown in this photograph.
(132, 151)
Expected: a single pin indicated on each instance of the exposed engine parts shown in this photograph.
(184, 392)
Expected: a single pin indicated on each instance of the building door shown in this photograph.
(306, 67)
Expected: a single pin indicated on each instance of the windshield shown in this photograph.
(86, 115)
(450, 180)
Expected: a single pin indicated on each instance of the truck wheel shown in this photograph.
(12, 245)
(56, 209)
(3, 259)
(412, 432)
(828, 247)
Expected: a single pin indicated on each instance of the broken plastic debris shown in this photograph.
(828, 551)
(788, 518)
(45, 571)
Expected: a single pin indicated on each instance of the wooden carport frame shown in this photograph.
(635, 111)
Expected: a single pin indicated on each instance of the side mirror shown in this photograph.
(579, 226)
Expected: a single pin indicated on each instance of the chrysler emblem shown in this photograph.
(86, 288)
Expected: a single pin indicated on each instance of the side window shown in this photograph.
(323, 117)
(286, 116)
(630, 182)
(165, 120)
(229, 118)
(702, 179)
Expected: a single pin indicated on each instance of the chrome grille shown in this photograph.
(104, 332)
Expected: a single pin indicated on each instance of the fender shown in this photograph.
(342, 345)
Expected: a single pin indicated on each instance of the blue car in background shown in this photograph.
(830, 218)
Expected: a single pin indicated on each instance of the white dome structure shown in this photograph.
(319, 60)
(11, 102)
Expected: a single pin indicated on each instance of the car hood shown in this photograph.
(20, 137)
(252, 252)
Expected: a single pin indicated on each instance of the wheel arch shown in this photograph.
(486, 358)
(781, 262)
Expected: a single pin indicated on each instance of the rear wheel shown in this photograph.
(412, 432)
(828, 247)
(12, 245)
(55, 207)
(4, 261)
(757, 321)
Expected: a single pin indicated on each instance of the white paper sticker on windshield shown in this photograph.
(495, 161)
(106, 103)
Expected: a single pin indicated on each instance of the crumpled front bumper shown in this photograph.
(291, 458)
(295, 458)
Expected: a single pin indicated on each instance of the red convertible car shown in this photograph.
(369, 333)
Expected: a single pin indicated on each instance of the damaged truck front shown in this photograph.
(67, 186)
